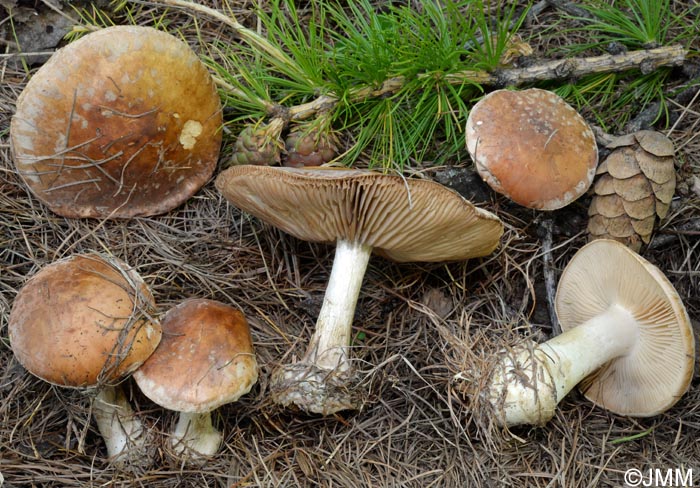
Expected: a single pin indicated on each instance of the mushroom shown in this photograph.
(86, 321)
(627, 342)
(205, 360)
(123, 122)
(360, 211)
(531, 146)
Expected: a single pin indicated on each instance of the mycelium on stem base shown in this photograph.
(318, 382)
(531, 380)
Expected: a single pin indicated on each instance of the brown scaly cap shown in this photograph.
(205, 360)
(402, 219)
(123, 122)
(532, 147)
(83, 320)
(658, 370)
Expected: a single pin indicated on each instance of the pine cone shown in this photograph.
(634, 186)
(309, 148)
(259, 145)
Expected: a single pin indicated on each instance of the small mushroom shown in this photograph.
(123, 122)
(531, 146)
(205, 360)
(86, 321)
(627, 342)
(360, 211)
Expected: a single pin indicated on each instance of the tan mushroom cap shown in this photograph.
(83, 321)
(402, 219)
(531, 146)
(123, 122)
(206, 358)
(658, 370)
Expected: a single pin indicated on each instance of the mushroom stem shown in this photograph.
(115, 419)
(196, 433)
(320, 382)
(528, 384)
(331, 339)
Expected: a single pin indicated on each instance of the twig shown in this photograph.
(646, 60)
(668, 236)
(548, 269)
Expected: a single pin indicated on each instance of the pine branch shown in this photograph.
(646, 60)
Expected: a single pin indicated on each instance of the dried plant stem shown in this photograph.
(549, 279)
(249, 35)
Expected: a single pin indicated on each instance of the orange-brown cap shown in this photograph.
(658, 370)
(206, 358)
(83, 321)
(533, 147)
(120, 123)
(402, 219)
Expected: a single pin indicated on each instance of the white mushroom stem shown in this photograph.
(529, 383)
(329, 344)
(322, 381)
(121, 429)
(195, 434)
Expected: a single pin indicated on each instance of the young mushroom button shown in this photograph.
(360, 211)
(123, 122)
(627, 343)
(86, 321)
(205, 360)
(532, 147)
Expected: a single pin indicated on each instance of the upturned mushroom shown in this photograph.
(205, 360)
(360, 211)
(123, 122)
(87, 321)
(627, 343)
(531, 146)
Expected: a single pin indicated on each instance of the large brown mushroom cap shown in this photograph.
(120, 123)
(532, 146)
(206, 358)
(82, 321)
(402, 219)
(658, 370)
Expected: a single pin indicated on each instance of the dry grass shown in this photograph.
(421, 325)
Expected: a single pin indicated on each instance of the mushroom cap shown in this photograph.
(123, 122)
(206, 358)
(83, 321)
(402, 219)
(531, 146)
(659, 368)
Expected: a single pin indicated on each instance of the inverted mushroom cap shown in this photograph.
(533, 147)
(659, 368)
(120, 123)
(205, 360)
(83, 320)
(402, 219)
